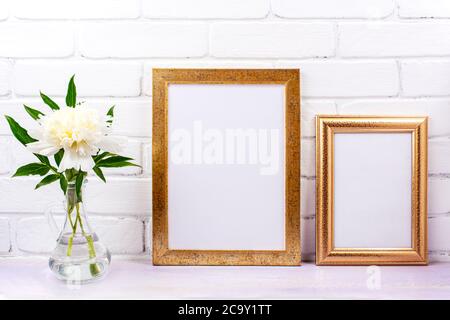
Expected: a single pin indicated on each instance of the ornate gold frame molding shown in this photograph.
(326, 253)
(162, 254)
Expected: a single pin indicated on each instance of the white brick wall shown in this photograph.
(80, 9)
(425, 78)
(5, 240)
(424, 9)
(5, 74)
(332, 8)
(272, 40)
(4, 10)
(356, 57)
(206, 9)
(392, 39)
(346, 78)
(26, 40)
(142, 40)
(94, 78)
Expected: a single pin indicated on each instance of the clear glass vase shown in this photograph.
(79, 256)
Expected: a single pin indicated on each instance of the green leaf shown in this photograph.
(58, 156)
(100, 156)
(115, 162)
(117, 165)
(79, 184)
(115, 158)
(99, 173)
(110, 113)
(32, 169)
(47, 180)
(52, 104)
(71, 97)
(35, 114)
(44, 160)
(20, 133)
(63, 183)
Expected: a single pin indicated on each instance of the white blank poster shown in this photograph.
(223, 196)
(372, 190)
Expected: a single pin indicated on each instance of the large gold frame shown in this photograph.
(326, 253)
(162, 255)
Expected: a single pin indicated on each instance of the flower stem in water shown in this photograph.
(93, 267)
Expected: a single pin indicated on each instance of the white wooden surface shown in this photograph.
(138, 279)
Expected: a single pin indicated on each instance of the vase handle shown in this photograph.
(51, 218)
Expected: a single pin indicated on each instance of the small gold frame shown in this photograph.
(162, 254)
(326, 253)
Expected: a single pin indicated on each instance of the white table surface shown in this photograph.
(27, 278)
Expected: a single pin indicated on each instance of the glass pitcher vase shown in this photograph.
(79, 256)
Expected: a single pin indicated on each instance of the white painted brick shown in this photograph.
(438, 111)
(147, 159)
(308, 198)
(272, 40)
(5, 240)
(134, 40)
(439, 156)
(4, 10)
(25, 40)
(332, 8)
(6, 161)
(119, 235)
(308, 158)
(439, 256)
(34, 235)
(92, 78)
(206, 9)
(426, 78)
(309, 110)
(119, 196)
(439, 233)
(308, 237)
(346, 79)
(148, 237)
(80, 9)
(438, 199)
(388, 39)
(133, 118)
(5, 74)
(424, 8)
(196, 64)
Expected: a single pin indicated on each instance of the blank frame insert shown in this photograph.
(220, 199)
(372, 190)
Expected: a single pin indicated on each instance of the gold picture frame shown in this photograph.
(326, 128)
(162, 254)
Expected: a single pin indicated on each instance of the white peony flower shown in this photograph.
(80, 131)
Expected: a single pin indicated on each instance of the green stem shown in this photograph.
(94, 268)
(73, 226)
